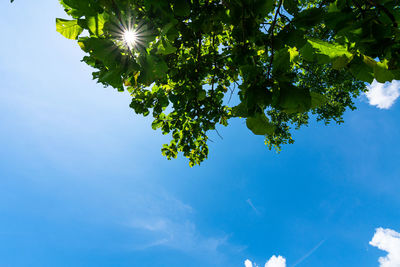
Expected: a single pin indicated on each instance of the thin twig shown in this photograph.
(219, 134)
(360, 8)
(232, 91)
(214, 63)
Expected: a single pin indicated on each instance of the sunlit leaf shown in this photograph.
(69, 28)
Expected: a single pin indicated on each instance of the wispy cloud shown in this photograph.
(274, 261)
(387, 240)
(252, 206)
(383, 95)
(308, 254)
(179, 235)
(164, 221)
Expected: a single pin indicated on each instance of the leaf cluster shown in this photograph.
(287, 59)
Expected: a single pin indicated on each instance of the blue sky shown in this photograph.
(83, 182)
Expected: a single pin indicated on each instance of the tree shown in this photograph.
(182, 60)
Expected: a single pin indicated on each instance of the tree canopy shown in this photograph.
(286, 60)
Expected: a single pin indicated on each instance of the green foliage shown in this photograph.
(69, 28)
(288, 59)
(259, 124)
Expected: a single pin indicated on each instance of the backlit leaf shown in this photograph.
(68, 28)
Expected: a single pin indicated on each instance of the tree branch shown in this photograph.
(215, 65)
(386, 11)
(271, 33)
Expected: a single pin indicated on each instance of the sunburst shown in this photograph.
(130, 38)
(130, 34)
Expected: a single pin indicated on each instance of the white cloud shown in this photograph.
(389, 241)
(383, 95)
(248, 263)
(274, 261)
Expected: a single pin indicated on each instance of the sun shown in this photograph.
(130, 37)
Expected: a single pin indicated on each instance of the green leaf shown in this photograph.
(157, 124)
(240, 110)
(181, 8)
(166, 48)
(293, 99)
(381, 72)
(281, 61)
(153, 68)
(307, 52)
(362, 68)
(111, 77)
(291, 6)
(340, 62)
(69, 28)
(104, 50)
(263, 7)
(290, 36)
(317, 100)
(331, 50)
(308, 17)
(259, 124)
(293, 54)
(96, 24)
(79, 8)
(202, 95)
